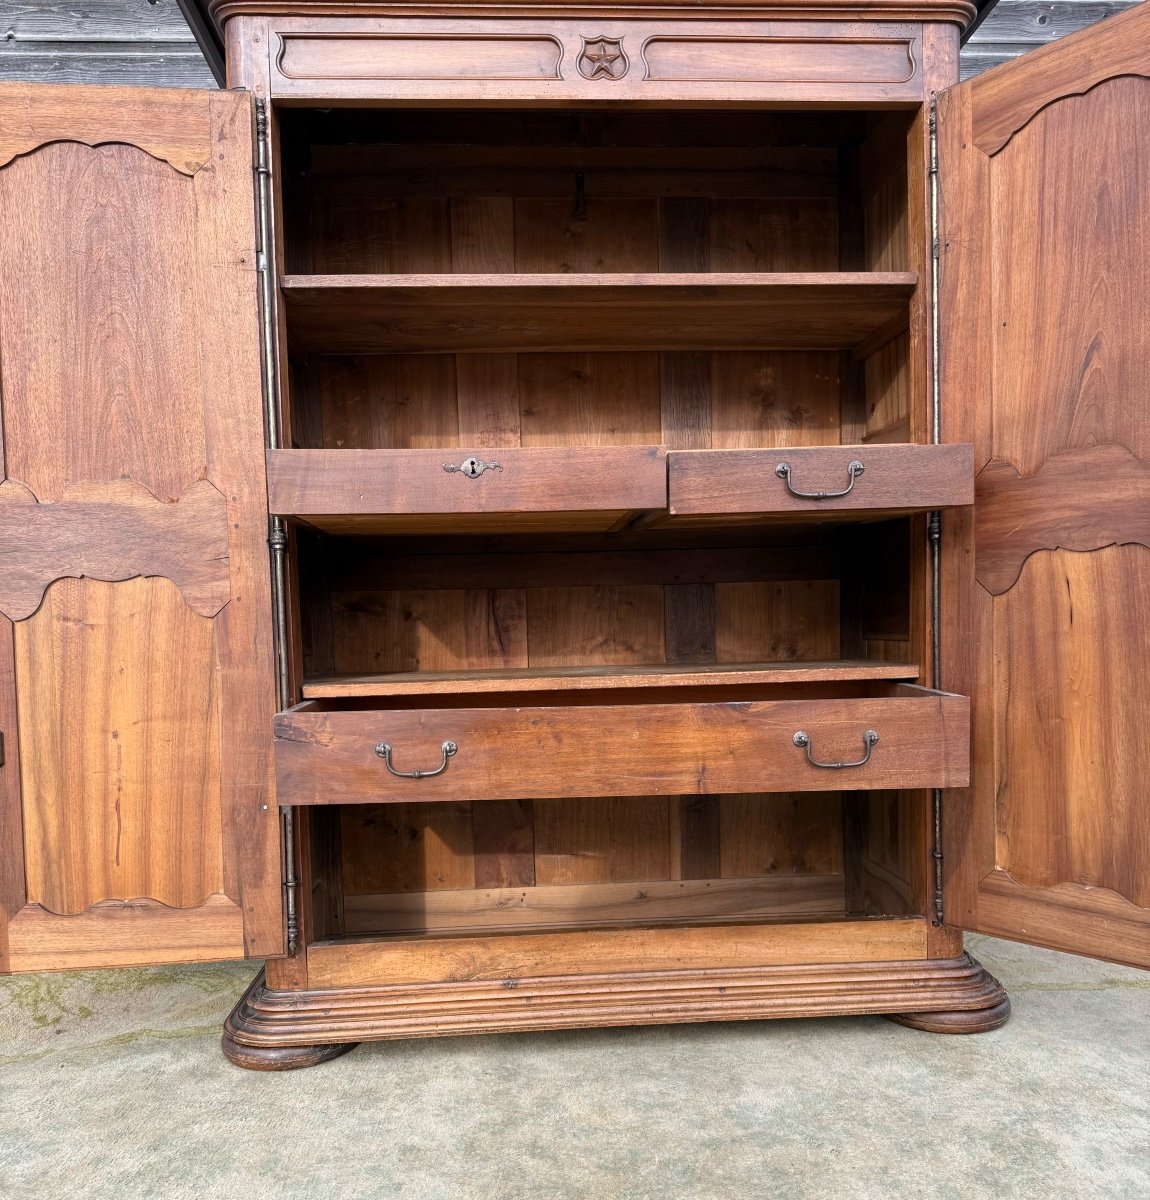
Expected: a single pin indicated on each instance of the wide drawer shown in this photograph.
(865, 480)
(474, 490)
(330, 753)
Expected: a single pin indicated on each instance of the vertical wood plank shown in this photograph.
(613, 234)
(229, 373)
(389, 402)
(774, 235)
(781, 834)
(600, 626)
(436, 630)
(684, 233)
(589, 399)
(700, 855)
(685, 395)
(12, 885)
(487, 388)
(406, 848)
(503, 835)
(482, 234)
(775, 398)
(689, 622)
(777, 622)
(602, 840)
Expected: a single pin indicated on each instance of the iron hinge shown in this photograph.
(1, 747)
(277, 532)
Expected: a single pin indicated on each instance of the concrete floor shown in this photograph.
(112, 1085)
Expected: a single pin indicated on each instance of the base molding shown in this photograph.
(952, 994)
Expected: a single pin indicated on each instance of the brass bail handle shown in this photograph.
(803, 740)
(854, 470)
(383, 750)
(472, 467)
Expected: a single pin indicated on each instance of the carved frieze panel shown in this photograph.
(629, 59)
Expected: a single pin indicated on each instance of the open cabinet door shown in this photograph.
(1044, 169)
(137, 823)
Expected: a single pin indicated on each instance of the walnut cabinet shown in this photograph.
(528, 517)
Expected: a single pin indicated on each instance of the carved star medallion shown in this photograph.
(603, 58)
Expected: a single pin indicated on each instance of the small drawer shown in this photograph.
(467, 490)
(876, 480)
(810, 739)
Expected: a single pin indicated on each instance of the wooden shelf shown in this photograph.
(569, 679)
(351, 314)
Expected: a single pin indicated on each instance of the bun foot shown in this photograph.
(976, 1020)
(280, 1058)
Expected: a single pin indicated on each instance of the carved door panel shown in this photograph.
(137, 823)
(1045, 274)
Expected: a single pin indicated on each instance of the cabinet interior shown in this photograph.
(436, 197)
(444, 215)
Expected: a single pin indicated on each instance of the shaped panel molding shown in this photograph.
(1059, 507)
(112, 532)
(171, 124)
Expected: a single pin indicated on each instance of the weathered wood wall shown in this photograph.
(100, 41)
(148, 41)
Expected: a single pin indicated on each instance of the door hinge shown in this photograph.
(277, 532)
(1, 747)
(936, 854)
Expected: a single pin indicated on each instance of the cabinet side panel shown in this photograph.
(133, 436)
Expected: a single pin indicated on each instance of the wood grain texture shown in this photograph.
(575, 954)
(266, 1023)
(327, 757)
(1071, 805)
(12, 882)
(895, 479)
(142, 396)
(113, 532)
(309, 482)
(1058, 508)
(348, 314)
(1038, 226)
(1005, 101)
(128, 805)
(131, 362)
(593, 905)
(414, 848)
(599, 678)
(684, 400)
(136, 933)
(171, 125)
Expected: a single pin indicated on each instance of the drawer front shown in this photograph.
(468, 480)
(336, 757)
(890, 478)
(597, 59)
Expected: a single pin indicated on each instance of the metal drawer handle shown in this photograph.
(804, 740)
(854, 470)
(472, 467)
(383, 750)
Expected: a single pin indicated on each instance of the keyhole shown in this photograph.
(471, 468)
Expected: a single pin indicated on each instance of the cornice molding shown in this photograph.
(958, 12)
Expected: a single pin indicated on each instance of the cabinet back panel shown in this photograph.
(421, 192)
(422, 867)
(723, 400)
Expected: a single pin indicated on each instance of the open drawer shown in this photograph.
(467, 490)
(812, 738)
(866, 481)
